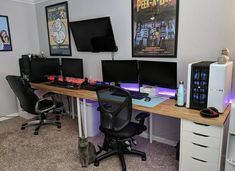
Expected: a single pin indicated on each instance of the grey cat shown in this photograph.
(87, 152)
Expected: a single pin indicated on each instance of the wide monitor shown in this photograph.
(161, 74)
(41, 67)
(94, 35)
(123, 71)
(72, 67)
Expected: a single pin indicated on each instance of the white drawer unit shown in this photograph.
(204, 129)
(201, 147)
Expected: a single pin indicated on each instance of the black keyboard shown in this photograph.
(134, 94)
(64, 85)
(89, 87)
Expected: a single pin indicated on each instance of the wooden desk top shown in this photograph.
(167, 108)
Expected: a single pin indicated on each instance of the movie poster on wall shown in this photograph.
(154, 28)
(58, 29)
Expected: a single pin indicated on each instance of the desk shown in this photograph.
(193, 126)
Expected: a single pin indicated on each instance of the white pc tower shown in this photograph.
(209, 85)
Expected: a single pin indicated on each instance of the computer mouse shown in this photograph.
(147, 99)
(209, 112)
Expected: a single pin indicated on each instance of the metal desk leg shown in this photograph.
(79, 118)
(84, 116)
(72, 107)
(150, 128)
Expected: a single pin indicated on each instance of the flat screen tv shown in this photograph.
(94, 35)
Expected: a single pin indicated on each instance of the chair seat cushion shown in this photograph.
(130, 130)
(45, 104)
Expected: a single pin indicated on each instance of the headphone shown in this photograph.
(210, 112)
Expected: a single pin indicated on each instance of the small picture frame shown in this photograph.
(57, 16)
(5, 36)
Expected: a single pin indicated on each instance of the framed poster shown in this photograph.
(5, 36)
(58, 29)
(154, 28)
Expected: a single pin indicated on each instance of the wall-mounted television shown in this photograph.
(94, 35)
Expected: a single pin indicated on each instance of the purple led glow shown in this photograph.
(162, 91)
(166, 91)
(130, 86)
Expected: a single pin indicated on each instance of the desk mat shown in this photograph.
(155, 100)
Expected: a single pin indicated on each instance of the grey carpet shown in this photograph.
(56, 149)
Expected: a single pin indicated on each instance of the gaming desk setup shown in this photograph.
(195, 131)
(70, 74)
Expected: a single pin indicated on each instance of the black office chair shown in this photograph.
(115, 118)
(30, 103)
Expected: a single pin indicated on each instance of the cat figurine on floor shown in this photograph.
(87, 152)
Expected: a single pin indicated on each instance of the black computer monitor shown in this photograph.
(123, 71)
(40, 67)
(72, 67)
(161, 74)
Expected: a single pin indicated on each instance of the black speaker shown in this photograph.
(25, 67)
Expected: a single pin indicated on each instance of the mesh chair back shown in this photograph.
(115, 111)
(24, 93)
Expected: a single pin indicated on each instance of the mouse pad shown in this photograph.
(155, 100)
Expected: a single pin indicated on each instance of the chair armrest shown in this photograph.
(49, 94)
(46, 102)
(141, 116)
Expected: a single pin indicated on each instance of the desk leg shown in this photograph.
(84, 118)
(150, 128)
(79, 118)
(72, 107)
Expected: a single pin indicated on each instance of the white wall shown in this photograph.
(24, 36)
(205, 27)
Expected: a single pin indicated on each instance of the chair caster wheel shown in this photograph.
(22, 128)
(143, 158)
(96, 163)
(35, 133)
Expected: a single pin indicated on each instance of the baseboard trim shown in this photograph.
(160, 139)
(9, 116)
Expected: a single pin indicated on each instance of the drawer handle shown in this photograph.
(200, 134)
(201, 124)
(199, 160)
(200, 145)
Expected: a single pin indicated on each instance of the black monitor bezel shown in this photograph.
(39, 69)
(150, 70)
(72, 62)
(120, 62)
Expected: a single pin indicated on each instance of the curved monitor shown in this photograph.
(94, 35)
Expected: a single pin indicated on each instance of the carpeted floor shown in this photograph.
(56, 149)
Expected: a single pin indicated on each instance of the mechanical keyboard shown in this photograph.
(134, 94)
(89, 87)
(64, 85)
